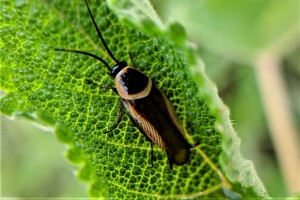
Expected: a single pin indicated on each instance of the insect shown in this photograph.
(149, 108)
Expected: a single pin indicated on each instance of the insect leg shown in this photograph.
(194, 145)
(171, 159)
(152, 153)
(121, 107)
(90, 81)
(131, 59)
(113, 89)
(119, 116)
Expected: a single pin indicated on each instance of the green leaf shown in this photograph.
(50, 88)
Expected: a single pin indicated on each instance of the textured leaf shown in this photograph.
(49, 88)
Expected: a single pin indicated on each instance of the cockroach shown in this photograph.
(149, 108)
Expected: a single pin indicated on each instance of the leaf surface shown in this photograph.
(50, 88)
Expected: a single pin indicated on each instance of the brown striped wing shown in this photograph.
(155, 117)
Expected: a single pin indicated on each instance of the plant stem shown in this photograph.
(280, 122)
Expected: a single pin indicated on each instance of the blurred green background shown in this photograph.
(229, 35)
(33, 164)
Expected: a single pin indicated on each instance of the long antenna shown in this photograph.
(99, 33)
(85, 53)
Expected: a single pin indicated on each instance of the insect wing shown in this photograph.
(155, 117)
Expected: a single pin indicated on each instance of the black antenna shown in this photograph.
(99, 33)
(86, 53)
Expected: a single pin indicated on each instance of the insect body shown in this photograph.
(149, 108)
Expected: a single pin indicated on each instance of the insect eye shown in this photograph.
(122, 64)
(117, 68)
